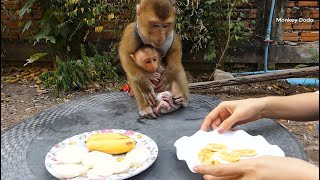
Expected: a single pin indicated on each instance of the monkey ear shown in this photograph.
(174, 10)
(138, 10)
(132, 56)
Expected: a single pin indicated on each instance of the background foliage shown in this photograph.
(65, 24)
(206, 25)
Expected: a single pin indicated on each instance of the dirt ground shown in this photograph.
(23, 96)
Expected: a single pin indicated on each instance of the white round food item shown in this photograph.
(92, 157)
(63, 171)
(102, 168)
(138, 156)
(71, 154)
(122, 166)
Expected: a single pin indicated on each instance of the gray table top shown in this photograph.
(24, 147)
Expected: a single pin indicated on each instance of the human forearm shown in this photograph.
(300, 107)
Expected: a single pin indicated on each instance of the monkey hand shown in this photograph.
(147, 92)
(154, 77)
(180, 100)
(147, 113)
(166, 96)
(164, 84)
(162, 108)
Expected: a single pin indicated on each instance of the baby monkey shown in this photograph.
(148, 59)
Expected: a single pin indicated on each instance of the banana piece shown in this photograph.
(104, 136)
(230, 157)
(245, 152)
(111, 143)
(204, 156)
(216, 147)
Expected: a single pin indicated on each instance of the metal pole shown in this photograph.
(267, 39)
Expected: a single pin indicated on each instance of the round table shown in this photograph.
(24, 147)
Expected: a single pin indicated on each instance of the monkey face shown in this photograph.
(148, 59)
(154, 27)
(159, 31)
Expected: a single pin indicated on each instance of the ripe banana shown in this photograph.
(109, 135)
(111, 143)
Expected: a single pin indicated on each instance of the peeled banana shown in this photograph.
(111, 143)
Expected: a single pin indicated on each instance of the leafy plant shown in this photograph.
(66, 23)
(210, 25)
(77, 74)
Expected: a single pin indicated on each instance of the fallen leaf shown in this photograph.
(311, 127)
(38, 81)
(40, 91)
(11, 81)
(277, 87)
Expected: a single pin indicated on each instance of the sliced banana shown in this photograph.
(93, 157)
(230, 157)
(63, 171)
(204, 156)
(216, 147)
(71, 154)
(245, 152)
(138, 156)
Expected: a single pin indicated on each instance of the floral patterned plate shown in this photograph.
(141, 139)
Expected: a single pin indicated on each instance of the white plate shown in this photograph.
(141, 139)
(188, 147)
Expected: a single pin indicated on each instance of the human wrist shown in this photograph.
(266, 104)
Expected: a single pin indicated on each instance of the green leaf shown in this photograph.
(26, 8)
(34, 58)
(27, 26)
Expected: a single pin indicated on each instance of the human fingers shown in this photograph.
(215, 124)
(209, 177)
(240, 122)
(228, 123)
(211, 117)
(222, 170)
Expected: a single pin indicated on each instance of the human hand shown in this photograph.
(231, 113)
(260, 168)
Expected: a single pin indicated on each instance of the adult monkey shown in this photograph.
(155, 26)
